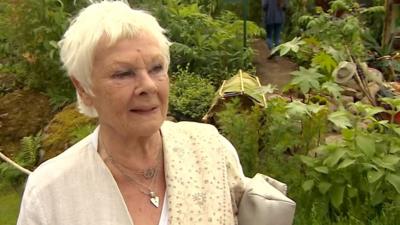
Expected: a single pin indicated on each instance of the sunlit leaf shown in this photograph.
(394, 179)
(340, 119)
(388, 162)
(292, 45)
(297, 108)
(366, 144)
(306, 79)
(346, 163)
(375, 175)
(322, 169)
(334, 157)
(324, 61)
(308, 160)
(333, 88)
(315, 108)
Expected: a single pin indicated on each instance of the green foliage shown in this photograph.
(306, 79)
(81, 132)
(212, 47)
(34, 27)
(190, 95)
(351, 181)
(286, 47)
(360, 174)
(242, 129)
(27, 157)
(262, 135)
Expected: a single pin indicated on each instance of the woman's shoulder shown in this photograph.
(188, 127)
(61, 166)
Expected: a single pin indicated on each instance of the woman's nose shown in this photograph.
(145, 84)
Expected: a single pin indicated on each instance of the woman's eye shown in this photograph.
(156, 69)
(123, 74)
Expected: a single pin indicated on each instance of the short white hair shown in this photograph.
(111, 19)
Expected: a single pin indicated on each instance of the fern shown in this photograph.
(81, 132)
(27, 157)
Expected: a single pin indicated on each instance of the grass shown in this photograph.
(9, 204)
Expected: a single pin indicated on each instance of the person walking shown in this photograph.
(274, 17)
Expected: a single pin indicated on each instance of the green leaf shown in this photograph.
(292, 45)
(346, 163)
(308, 160)
(324, 61)
(334, 157)
(385, 163)
(336, 196)
(395, 149)
(377, 198)
(396, 129)
(297, 108)
(394, 179)
(315, 108)
(366, 144)
(322, 169)
(340, 119)
(308, 185)
(306, 79)
(352, 192)
(333, 88)
(323, 187)
(374, 175)
(371, 111)
(395, 102)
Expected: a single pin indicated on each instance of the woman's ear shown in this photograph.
(86, 97)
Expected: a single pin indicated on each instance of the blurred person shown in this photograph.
(274, 17)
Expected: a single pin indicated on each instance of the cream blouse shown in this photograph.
(204, 183)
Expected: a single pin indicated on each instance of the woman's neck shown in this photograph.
(135, 151)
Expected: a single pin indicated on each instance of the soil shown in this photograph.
(276, 70)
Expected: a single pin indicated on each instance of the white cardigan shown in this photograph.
(76, 187)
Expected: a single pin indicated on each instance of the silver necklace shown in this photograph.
(154, 198)
(147, 173)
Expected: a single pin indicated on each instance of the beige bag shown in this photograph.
(264, 202)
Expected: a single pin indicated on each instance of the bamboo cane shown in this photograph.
(14, 164)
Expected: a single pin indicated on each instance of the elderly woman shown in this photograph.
(135, 168)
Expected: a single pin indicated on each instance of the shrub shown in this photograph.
(34, 29)
(212, 47)
(190, 96)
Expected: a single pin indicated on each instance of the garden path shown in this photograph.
(274, 71)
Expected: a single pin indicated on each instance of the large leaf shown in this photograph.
(308, 160)
(322, 169)
(324, 61)
(334, 157)
(315, 108)
(388, 162)
(340, 119)
(346, 163)
(308, 185)
(297, 108)
(306, 79)
(375, 175)
(336, 195)
(366, 145)
(333, 88)
(394, 179)
(292, 45)
(323, 187)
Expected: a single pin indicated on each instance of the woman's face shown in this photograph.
(130, 86)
